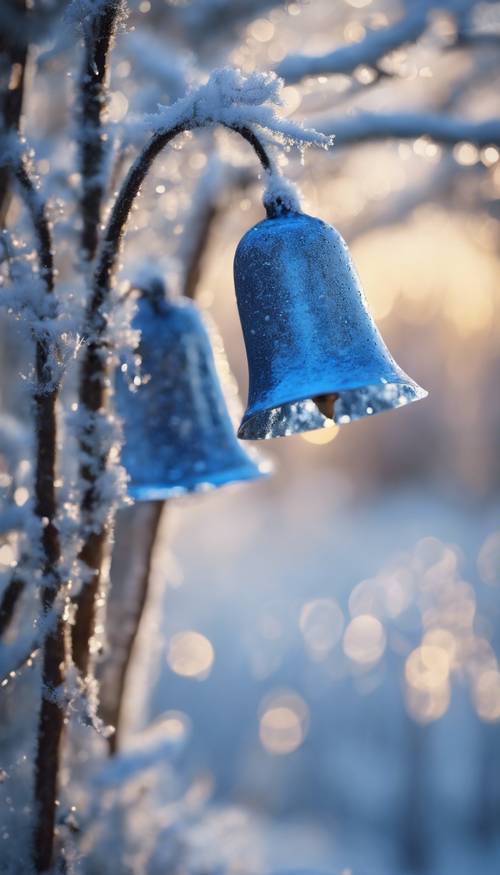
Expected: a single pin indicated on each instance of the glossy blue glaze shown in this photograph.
(178, 435)
(308, 333)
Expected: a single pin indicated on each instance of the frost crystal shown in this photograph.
(229, 98)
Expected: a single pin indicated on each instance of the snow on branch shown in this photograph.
(235, 101)
(364, 126)
(242, 104)
(369, 51)
(83, 13)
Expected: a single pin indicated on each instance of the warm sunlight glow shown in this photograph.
(321, 436)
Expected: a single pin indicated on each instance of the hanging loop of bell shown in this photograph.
(178, 433)
(315, 356)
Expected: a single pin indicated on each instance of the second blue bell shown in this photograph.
(178, 434)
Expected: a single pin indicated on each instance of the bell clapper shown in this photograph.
(326, 404)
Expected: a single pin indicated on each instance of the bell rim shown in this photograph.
(255, 409)
(145, 492)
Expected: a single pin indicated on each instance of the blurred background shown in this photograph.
(322, 648)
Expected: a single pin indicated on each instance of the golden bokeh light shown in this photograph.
(262, 30)
(321, 623)
(191, 655)
(21, 496)
(283, 724)
(321, 436)
(367, 597)
(364, 640)
(466, 154)
(427, 668)
(445, 640)
(427, 705)
(397, 587)
(486, 695)
(488, 560)
(117, 106)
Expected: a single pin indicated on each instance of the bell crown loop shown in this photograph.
(315, 356)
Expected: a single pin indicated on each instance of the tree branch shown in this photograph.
(92, 146)
(376, 44)
(368, 52)
(13, 57)
(51, 715)
(365, 126)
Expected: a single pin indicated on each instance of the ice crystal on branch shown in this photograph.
(83, 13)
(231, 99)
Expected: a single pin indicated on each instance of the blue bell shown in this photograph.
(178, 434)
(315, 356)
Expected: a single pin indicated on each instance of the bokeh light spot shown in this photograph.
(486, 695)
(283, 724)
(364, 639)
(321, 623)
(191, 655)
(321, 436)
(426, 706)
(488, 560)
(427, 667)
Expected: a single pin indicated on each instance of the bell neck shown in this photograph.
(155, 294)
(278, 209)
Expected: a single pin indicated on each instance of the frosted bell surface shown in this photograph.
(178, 434)
(315, 355)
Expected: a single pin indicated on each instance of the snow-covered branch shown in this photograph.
(374, 46)
(51, 716)
(448, 130)
(98, 25)
(369, 51)
(228, 98)
(38, 213)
